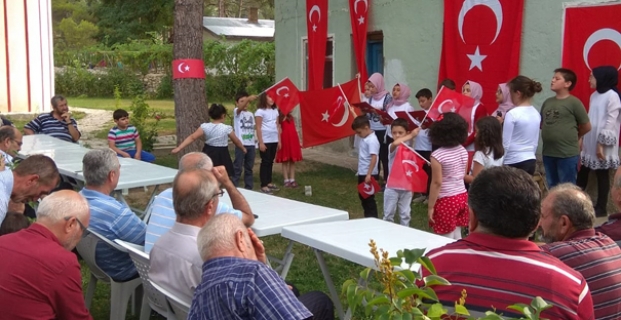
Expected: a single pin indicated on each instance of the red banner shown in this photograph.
(325, 115)
(188, 68)
(407, 172)
(285, 95)
(591, 38)
(317, 29)
(481, 42)
(359, 15)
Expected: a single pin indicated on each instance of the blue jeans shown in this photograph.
(144, 156)
(561, 170)
(244, 162)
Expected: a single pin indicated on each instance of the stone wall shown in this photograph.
(152, 82)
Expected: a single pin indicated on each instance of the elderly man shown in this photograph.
(236, 283)
(58, 123)
(567, 217)
(163, 214)
(109, 217)
(496, 264)
(39, 276)
(10, 143)
(34, 177)
(612, 227)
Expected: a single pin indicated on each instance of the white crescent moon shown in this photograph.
(443, 103)
(179, 67)
(315, 8)
(366, 5)
(494, 5)
(372, 191)
(597, 36)
(281, 89)
(412, 163)
(339, 101)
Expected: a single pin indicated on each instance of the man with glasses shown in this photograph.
(109, 217)
(40, 276)
(10, 143)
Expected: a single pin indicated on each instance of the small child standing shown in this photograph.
(368, 151)
(422, 145)
(448, 199)
(394, 198)
(244, 126)
(124, 139)
(217, 136)
(268, 133)
(290, 151)
(489, 151)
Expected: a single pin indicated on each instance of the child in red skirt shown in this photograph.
(448, 199)
(290, 151)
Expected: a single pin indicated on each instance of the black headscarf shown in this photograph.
(607, 78)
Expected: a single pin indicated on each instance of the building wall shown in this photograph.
(26, 56)
(412, 32)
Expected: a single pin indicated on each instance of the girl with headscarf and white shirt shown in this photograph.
(475, 91)
(380, 99)
(503, 97)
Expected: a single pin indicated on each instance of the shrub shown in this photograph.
(78, 81)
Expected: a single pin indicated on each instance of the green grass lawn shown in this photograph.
(333, 187)
(162, 106)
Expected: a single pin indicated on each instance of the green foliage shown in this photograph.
(402, 298)
(78, 81)
(76, 36)
(145, 120)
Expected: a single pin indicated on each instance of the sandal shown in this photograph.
(273, 187)
(266, 191)
(293, 184)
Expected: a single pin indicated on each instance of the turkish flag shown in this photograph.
(367, 190)
(188, 68)
(325, 115)
(450, 101)
(317, 29)
(415, 118)
(481, 42)
(407, 171)
(359, 15)
(591, 38)
(285, 95)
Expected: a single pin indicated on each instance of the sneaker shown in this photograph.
(419, 199)
(273, 187)
(293, 184)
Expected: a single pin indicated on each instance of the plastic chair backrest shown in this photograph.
(157, 300)
(179, 307)
(87, 248)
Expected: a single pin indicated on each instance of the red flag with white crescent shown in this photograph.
(285, 95)
(481, 42)
(317, 29)
(188, 68)
(407, 172)
(359, 15)
(450, 101)
(591, 38)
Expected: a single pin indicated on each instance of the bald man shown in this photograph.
(39, 276)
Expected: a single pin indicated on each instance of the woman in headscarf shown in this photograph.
(380, 99)
(474, 91)
(503, 97)
(600, 146)
(400, 95)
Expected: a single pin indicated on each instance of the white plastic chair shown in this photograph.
(619, 243)
(120, 292)
(152, 298)
(179, 307)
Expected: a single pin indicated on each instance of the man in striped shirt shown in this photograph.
(567, 217)
(58, 123)
(497, 265)
(109, 217)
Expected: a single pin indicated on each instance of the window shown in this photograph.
(328, 74)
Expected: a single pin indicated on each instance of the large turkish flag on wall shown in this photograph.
(359, 16)
(481, 42)
(317, 29)
(591, 38)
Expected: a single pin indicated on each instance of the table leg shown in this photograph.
(284, 264)
(335, 296)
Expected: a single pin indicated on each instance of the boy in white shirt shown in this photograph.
(368, 151)
(244, 126)
(422, 144)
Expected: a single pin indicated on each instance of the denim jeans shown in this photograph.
(244, 162)
(144, 156)
(561, 170)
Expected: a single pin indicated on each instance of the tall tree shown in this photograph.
(190, 99)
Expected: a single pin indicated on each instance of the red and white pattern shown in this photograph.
(450, 213)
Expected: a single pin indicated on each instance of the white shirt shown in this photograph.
(487, 161)
(6, 188)
(176, 264)
(269, 124)
(244, 126)
(216, 134)
(374, 119)
(520, 134)
(406, 107)
(368, 146)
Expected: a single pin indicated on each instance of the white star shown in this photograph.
(286, 95)
(187, 68)
(367, 186)
(453, 109)
(325, 116)
(408, 173)
(314, 28)
(361, 20)
(476, 59)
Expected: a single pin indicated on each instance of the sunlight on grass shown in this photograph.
(163, 106)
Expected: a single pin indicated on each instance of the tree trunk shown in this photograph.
(221, 12)
(190, 97)
(241, 5)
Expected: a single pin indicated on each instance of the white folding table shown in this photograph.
(68, 158)
(275, 213)
(349, 240)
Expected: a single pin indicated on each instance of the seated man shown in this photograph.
(612, 227)
(10, 143)
(58, 123)
(236, 283)
(109, 217)
(39, 276)
(567, 217)
(163, 214)
(496, 264)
